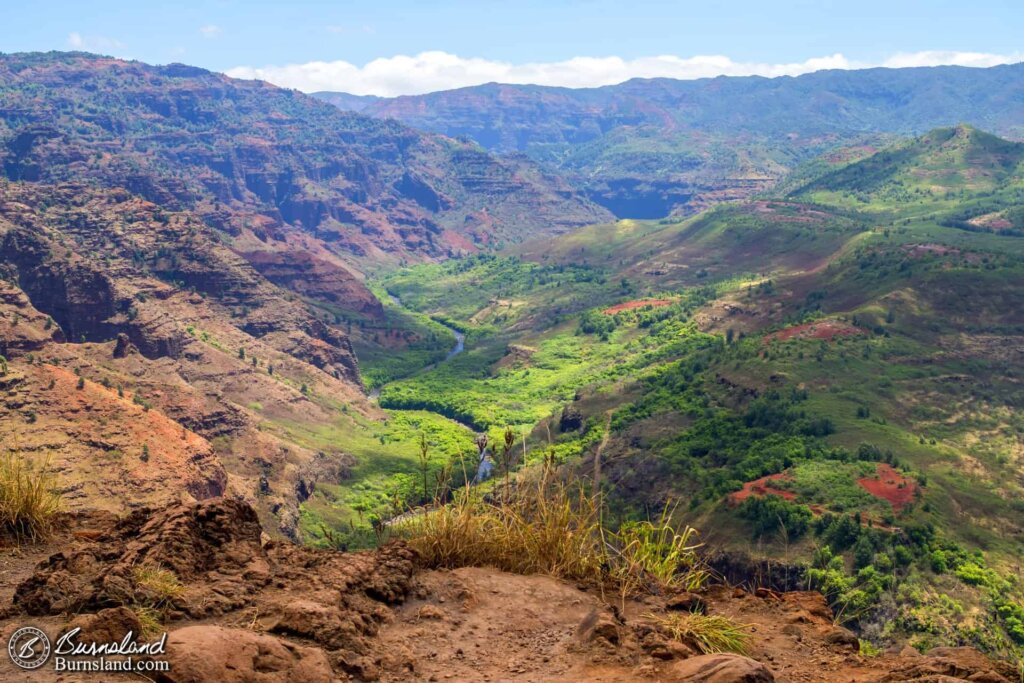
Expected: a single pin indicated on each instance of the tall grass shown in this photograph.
(711, 634)
(653, 556)
(162, 588)
(29, 500)
(545, 526)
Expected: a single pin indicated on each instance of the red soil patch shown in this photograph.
(995, 221)
(919, 250)
(825, 329)
(762, 487)
(849, 154)
(795, 213)
(888, 484)
(638, 303)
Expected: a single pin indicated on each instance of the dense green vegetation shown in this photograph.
(862, 350)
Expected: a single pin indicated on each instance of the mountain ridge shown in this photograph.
(246, 152)
(646, 148)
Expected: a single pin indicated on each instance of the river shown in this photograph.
(460, 346)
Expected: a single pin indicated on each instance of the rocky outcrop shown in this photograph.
(951, 665)
(216, 553)
(315, 278)
(720, 668)
(74, 293)
(269, 611)
(189, 540)
(26, 329)
(123, 346)
(231, 655)
(322, 347)
(106, 626)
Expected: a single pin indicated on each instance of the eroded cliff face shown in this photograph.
(143, 354)
(247, 156)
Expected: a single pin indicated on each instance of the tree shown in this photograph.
(424, 461)
(774, 513)
(507, 457)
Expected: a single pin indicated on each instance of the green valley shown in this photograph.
(833, 373)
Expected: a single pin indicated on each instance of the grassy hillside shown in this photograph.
(830, 379)
(959, 176)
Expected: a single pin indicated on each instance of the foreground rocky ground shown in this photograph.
(248, 609)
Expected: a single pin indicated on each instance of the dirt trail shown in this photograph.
(600, 448)
(496, 627)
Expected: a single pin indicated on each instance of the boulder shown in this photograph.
(720, 668)
(841, 637)
(597, 626)
(198, 654)
(686, 602)
(106, 626)
(124, 346)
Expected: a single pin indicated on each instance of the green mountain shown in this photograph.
(962, 159)
(649, 147)
(826, 381)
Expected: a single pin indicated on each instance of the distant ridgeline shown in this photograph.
(650, 147)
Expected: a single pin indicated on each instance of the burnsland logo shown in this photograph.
(29, 648)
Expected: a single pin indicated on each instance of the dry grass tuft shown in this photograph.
(164, 584)
(653, 556)
(711, 634)
(29, 501)
(546, 530)
(546, 526)
(151, 620)
(163, 587)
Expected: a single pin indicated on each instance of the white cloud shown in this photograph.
(76, 41)
(941, 57)
(431, 71)
(210, 31)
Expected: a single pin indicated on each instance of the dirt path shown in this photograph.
(496, 627)
(600, 449)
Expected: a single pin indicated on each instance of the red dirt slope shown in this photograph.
(637, 303)
(888, 484)
(762, 487)
(823, 329)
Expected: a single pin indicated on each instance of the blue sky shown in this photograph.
(430, 44)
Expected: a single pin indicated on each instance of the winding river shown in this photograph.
(460, 346)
